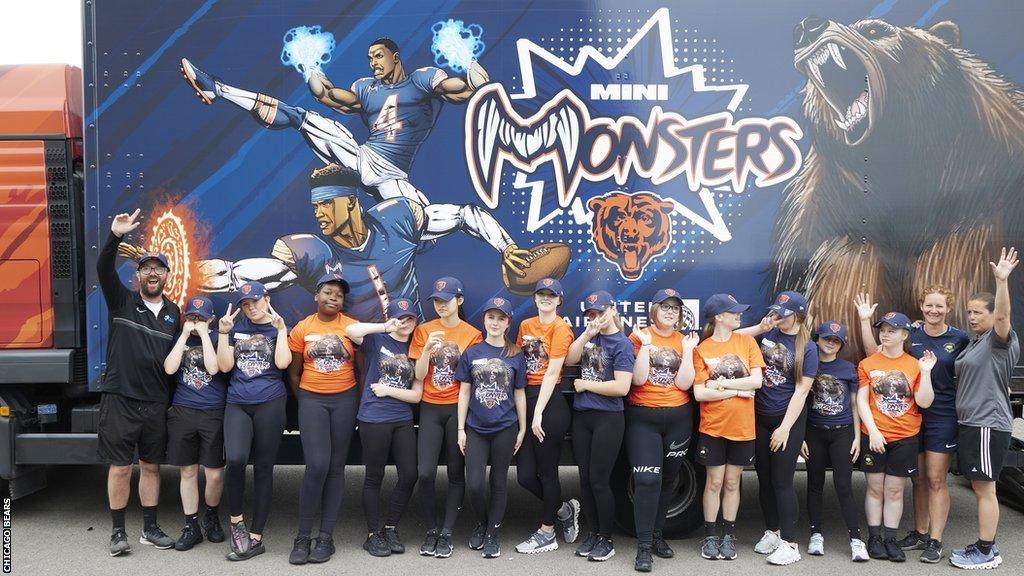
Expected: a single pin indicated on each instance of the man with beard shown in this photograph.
(136, 391)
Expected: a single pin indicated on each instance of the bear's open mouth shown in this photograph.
(839, 72)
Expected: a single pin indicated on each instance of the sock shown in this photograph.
(938, 542)
(565, 511)
(874, 531)
(985, 546)
(212, 510)
(855, 534)
(149, 517)
(192, 519)
(728, 527)
(890, 533)
(710, 529)
(117, 517)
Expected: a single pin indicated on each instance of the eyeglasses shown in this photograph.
(671, 308)
(149, 270)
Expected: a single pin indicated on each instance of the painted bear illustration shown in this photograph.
(396, 371)
(535, 354)
(664, 364)
(253, 355)
(631, 229)
(892, 393)
(492, 382)
(444, 359)
(592, 363)
(729, 366)
(328, 353)
(827, 394)
(193, 372)
(913, 177)
(778, 362)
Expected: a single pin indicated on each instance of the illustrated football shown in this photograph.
(546, 261)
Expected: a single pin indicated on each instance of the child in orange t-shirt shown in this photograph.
(893, 386)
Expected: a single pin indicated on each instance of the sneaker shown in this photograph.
(893, 551)
(660, 547)
(212, 529)
(602, 551)
(377, 545)
(914, 540)
(476, 539)
(644, 561)
(709, 548)
(393, 540)
(240, 541)
(204, 85)
(444, 545)
(727, 547)
(429, 546)
(963, 551)
(816, 545)
(300, 551)
(932, 552)
(190, 536)
(587, 546)
(571, 524)
(972, 558)
(155, 537)
(491, 546)
(858, 551)
(119, 543)
(876, 548)
(538, 542)
(768, 543)
(255, 549)
(323, 550)
(784, 555)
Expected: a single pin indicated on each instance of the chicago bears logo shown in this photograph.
(592, 298)
(731, 297)
(783, 298)
(246, 288)
(890, 315)
(440, 284)
(197, 303)
(629, 230)
(670, 292)
(499, 301)
(548, 281)
(403, 304)
(835, 326)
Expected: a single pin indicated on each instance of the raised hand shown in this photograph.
(690, 341)
(768, 322)
(434, 339)
(392, 325)
(227, 321)
(644, 336)
(124, 223)
(188, 327)
(927, 361)
(202, 326)
(1007, 262)
(865, 308)
(595, 326)
(275, 319)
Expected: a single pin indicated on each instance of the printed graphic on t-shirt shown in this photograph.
(193, 370)
(892, 392)
(328, 353)
(535, 354)
(778, 362)
(493, 381)
(252, 355)
(396, 370)
(827, 394)
(592, 363)
(729, 366)
(664, 364)
(444, 359)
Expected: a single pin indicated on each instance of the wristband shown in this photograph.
(223, 333)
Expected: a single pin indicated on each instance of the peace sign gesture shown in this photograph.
(227, 321)
(124, 223)
(1007, 262)
(275, 319)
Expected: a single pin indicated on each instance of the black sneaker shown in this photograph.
(709, 549)
(190, 536)
(914, 540)
(255, 549)
(394, 541)
(893, 551)
(876, 548)
(119, 543)
(377, 545)
(444, 545)
(429, 546)
(476, 539)
(323, 550)
(300, 551)
(660, 547)
(155, 537)
(644, 561)
(602, 551)
(212, 529)
(932, 552)
(587, 546)
(491, 547)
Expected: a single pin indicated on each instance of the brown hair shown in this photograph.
(654, 313)
(937, 289)
(987, 297)
(802, 337)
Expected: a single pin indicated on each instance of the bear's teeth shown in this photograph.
(812, 67)
(861, 108)
(842, 125)
(833, 49)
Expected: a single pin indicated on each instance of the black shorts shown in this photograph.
(195, 437)
(982, 452)
(716, 451)
(899, 458)
(127, 424)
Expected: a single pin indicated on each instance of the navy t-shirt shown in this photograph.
(602, 357)
(255, 378)
(196, 387)
(778, 383)
(386, 362)
(946, 348)
(492, 379)
(830, 395)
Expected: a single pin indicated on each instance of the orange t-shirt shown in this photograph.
(732, 418)
(327, 363)
(440, 385)
(666, 357)
(542, 342)
(892, 384)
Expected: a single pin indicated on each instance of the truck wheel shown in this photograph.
(685, 512)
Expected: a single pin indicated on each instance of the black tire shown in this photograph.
(685, 513)
(1010, 485)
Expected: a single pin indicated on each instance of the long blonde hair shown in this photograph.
(802, 337)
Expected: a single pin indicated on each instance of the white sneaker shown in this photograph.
(858, 551)
(784, 555)
(538, 542)
(816, 546)
(768, 543)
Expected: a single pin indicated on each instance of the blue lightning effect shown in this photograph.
(455, 45)
(307, 49)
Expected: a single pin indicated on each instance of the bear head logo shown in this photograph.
(629, 230)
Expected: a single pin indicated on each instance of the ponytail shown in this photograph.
(802, 337)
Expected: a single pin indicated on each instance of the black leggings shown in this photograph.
(379, 440)
(656, 440)
(257, 429)
(775, 472)
(831, 446)
(596, 439)
(537, 462)
(439, 428)
(326, 423)
(495, 449)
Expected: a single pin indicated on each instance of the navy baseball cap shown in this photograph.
(720, 303)
(401, 307)
(499, 303)
(665, 294)
(599, 301)
(251, 290)
(200, 306)
(550, 284)
(332, 277)
(789, 303)
(832, 328)
(896, 320)
(447, 288)
(147, 256)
